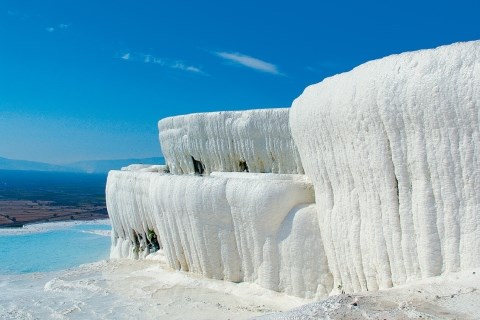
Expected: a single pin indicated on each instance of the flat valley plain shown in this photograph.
(40, 196)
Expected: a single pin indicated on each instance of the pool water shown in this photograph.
(50, 250)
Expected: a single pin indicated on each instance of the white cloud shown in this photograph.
(181, 66)
(18, 14)
(249, 62)
(194, 69)
(148, 58)
(60, 26)
(158, 61)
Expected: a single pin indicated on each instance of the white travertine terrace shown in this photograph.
(237, 227)
(236, 141)
(393, 150)
(391, 191)
(146, 168)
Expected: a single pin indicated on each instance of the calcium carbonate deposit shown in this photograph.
(252, 141)
(393, 149)
(237, 227)
(391, 191)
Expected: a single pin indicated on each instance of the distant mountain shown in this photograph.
(10, 164)
(103, 166)
(89, 166)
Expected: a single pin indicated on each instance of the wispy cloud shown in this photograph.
(184, 67)
(249, 62)
(61, 26)
(18, 14)
(168, 63)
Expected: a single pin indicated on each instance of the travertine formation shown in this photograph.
(234, 226)
(238, 141)
(392, 149)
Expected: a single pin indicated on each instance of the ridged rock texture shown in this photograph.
(393, 150)
(259, 228)
(231, 141)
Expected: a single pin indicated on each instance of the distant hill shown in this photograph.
(103, 166)
(10, 164)
(89, 166)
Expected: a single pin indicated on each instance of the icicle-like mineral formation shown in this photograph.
(393, 150)
(236, 141)
(260, 228)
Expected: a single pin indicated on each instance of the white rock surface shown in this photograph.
(450, 296)
(147, 168)
(227, 141)
(393, 150)
(232, 226)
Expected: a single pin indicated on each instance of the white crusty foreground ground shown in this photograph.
(253, 140)
(149, 289)
(452, 296)
(258, 228)
(393, 150)
(133, 289)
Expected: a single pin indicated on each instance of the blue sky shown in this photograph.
(90, 79)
